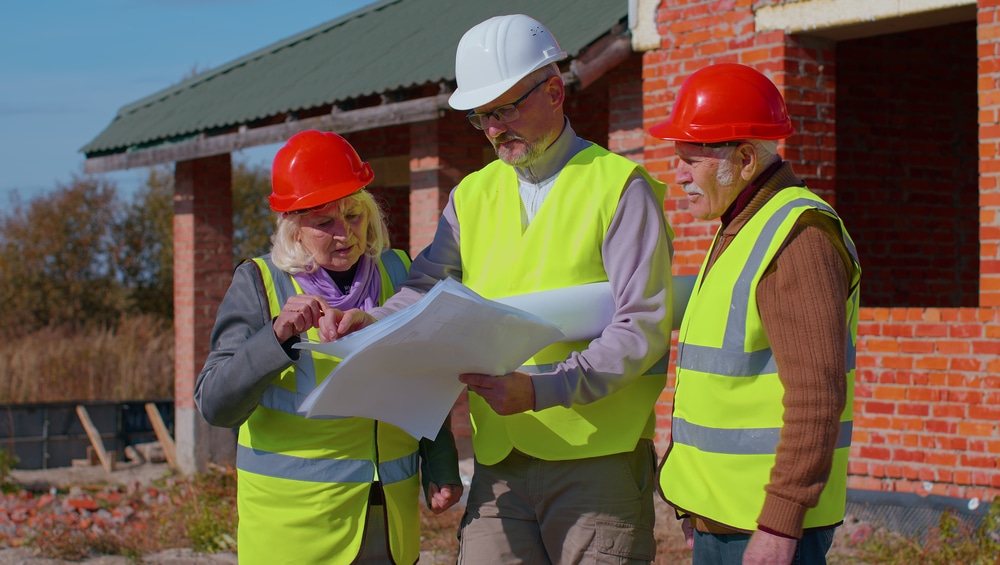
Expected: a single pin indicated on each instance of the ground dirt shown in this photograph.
(439, 531)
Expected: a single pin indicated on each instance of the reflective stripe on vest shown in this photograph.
(556, 250)
(305, 483)
(731, 360)
(740, 441)
(284, 400)
(281, 466)
(723, 447)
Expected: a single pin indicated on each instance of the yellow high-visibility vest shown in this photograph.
(560, 248)
(727, 414)
(303, 483)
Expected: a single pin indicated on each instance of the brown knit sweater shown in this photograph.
(801, 298)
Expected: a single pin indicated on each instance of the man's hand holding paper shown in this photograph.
(507, 394)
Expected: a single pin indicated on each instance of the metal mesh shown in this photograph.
(912, 515)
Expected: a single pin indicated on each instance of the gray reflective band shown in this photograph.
(731, 360)
(398, 470)
(283, 466)
(739, 441)
(276, 397)
(725, 362)
(287, 401)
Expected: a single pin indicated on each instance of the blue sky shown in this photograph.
(67, 66)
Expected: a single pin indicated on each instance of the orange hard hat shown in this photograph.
(315, 168)
(726, 102)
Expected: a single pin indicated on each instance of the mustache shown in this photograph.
(505, 137)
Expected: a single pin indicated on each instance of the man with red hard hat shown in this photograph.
(337, 490)
(565, 465)
(762, 416)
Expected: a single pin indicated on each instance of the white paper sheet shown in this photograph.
(404, 369)
(582, 312)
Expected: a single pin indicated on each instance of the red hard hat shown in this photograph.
(726, 102)
(314, 168)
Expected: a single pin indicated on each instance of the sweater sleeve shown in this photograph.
(245, 354)
(802, 305)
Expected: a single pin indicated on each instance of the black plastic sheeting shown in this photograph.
(46, 436)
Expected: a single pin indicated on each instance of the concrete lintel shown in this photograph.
(851, 19)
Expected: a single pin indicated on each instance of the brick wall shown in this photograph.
(988, 50)
(442, 152)
(395, 200)
(203, 259)
(907, 164)
(927, 403)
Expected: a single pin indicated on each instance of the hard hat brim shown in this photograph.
(469, 99)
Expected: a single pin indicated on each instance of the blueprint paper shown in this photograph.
(582, 312)
(404, 369)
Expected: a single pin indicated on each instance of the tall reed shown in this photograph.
(134, 361)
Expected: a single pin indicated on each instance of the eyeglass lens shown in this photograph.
(503, 114)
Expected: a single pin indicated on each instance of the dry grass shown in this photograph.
(132, 362)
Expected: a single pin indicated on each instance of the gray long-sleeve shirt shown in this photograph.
(636, 251)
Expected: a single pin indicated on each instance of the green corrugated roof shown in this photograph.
(386, 46)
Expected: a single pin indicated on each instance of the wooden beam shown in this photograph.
(410, 111)
(162, 435)
(95, 438)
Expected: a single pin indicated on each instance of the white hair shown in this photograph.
(766, 150)
(288, 253)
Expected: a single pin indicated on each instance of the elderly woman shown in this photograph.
(332, 490)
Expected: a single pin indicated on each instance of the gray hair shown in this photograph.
(766, 150)
(288, 253)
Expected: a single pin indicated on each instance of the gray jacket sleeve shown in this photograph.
(245, 355)
(637, 252)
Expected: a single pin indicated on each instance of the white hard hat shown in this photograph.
(495, 54)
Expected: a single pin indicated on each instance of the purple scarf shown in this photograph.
(364, 290)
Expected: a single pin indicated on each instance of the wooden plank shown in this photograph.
(162, 435)
(95, 439)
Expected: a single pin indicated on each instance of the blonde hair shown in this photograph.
(288, 253)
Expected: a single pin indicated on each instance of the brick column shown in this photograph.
(988, 33)
(442, 152)
(203, 266)
(625, 134)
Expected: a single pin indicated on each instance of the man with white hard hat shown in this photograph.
(565, 465)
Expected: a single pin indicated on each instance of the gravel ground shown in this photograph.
(147, 473)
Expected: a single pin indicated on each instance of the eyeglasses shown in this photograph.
(503, 114)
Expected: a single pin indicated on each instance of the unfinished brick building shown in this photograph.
(897, 111)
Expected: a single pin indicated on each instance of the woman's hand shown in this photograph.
(445, 497)
(299, 314)
(338, 323)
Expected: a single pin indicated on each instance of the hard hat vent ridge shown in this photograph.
(495, 54)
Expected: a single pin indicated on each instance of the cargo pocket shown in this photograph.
(621, 539)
